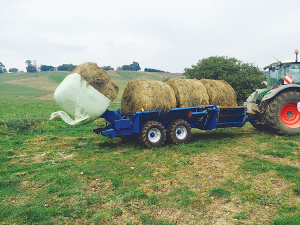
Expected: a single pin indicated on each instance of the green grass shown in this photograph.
(241, 216)
(16, 76)
(54, 173)
(219, 192)
(146, 219)
(287, 220)
(286, 171)
(9, 90)
(57, 77)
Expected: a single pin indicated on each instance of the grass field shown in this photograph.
(54, 173)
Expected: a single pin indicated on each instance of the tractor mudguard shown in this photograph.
(272, 93)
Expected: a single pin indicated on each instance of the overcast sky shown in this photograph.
(168, 35)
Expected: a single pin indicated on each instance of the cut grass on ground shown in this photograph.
(54, 173)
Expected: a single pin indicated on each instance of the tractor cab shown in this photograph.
(284, 72)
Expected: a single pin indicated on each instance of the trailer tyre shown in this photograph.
(282, 114)
(153, 134)
(179, 132)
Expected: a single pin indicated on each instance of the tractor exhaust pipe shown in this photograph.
(296, 52)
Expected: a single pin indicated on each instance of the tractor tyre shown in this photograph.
(153, 134)
(179, 132)
(282, 114)
(260, 118)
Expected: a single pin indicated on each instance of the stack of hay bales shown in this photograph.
(189, 92)
(147, 95)
(150, 95)
(97, 78)
(220, 93)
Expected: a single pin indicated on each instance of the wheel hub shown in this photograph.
(154, 135)
(181, 132)
(289, 114)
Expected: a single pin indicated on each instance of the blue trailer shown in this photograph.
(154, 127)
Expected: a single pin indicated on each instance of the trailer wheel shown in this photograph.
(282, 114)
(153, 134)
(179, 132)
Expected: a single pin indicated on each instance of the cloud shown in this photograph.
(167, 35)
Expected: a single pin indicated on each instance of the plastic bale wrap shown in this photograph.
(220, 93)
(97, 78)
(189, 92)
(82, 102)
(147, 95)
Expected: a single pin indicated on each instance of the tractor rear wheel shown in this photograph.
(153, 134)
(283, 115)
(179, 132)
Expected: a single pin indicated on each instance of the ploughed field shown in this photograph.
(54, 173)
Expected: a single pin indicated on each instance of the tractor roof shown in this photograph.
(280, 63)
(288, 61)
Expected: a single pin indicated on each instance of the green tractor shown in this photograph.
(276, 107)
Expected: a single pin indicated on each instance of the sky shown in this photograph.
(168, 35)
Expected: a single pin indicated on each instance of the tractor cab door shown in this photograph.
(275, 77)
(292, 73)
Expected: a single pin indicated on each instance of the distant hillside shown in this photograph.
(48, 81)
(172, 74)
(133, 75)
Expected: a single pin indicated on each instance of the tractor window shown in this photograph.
(294, 71)
(275, 78)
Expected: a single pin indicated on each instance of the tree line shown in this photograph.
(32, 67)
(132, 67)
(243, 77)
(154, 70)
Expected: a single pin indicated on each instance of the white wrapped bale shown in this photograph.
(82, 102)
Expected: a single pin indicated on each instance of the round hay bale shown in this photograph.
(98, 78)
(148, 95)
(189, 92)
(220, 93)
